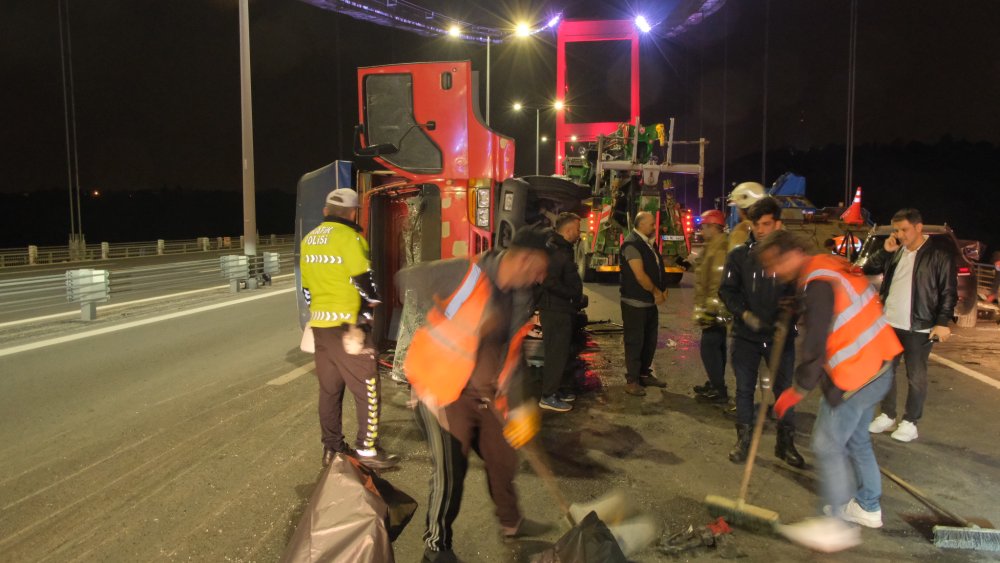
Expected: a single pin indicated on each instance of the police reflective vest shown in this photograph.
(442, 353)
(331, 254)
(860, 339)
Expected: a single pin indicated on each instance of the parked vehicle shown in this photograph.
(966, 271)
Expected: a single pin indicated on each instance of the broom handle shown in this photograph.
(541, 468)
(780, 335)
(919, 495)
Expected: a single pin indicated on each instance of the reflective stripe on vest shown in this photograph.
(329, 317)
(463, 292)
(860, 340)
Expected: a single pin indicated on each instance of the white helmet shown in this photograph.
(746, 194)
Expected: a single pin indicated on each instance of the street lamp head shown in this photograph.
(573, 138)
(553, 22)
(517, 106)
(522, 30)
(544, 139)
(454, 31)
(643, 24)
(558, 105)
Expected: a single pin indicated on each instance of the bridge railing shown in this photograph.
(88, 285)
(30, 255)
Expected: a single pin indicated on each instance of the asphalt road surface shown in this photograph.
(191, 435)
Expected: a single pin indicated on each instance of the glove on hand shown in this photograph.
(523, 423)
(788, 399)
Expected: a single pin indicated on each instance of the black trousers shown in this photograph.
(336, 369)
(916, 350)
(640, 326)
(472, 424)
(746, 362)
(713, 355)
(557, 328)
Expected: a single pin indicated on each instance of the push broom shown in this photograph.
(738, 511)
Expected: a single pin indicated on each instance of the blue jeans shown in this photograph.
(843, 448)
(746, 361)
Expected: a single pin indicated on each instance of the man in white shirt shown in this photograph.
(919, 290)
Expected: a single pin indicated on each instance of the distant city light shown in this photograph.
(522, 30)
(454, 31)
(558, 105)
(95, 193)
(544, 139)
(642, 24)
(573, 138)
(517, 106)
(553, 22)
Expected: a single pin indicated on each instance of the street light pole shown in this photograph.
(488, 41)
(246, 112)
(538, 132)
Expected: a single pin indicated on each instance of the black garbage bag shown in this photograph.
(353, 516)
(590, 541)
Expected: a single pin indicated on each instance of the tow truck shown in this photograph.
(625, 170)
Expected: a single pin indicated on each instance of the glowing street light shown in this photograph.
(573, 138)
(553, 22)
(544, 139)
(642, 24)
(522, 30)
(454, 31)
(559, 105)
(518, 106)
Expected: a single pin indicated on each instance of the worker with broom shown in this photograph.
(847, 351)
(465, 366)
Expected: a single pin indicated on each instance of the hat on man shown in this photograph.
(343, 197)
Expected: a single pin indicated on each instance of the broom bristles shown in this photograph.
(980, 539)
(741, 514)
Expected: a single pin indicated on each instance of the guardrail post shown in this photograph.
(241, 241)
(159, 247)
(32, 254)
(105, 250)
(274, 239)
(203, 243)
(88, 287)
(236, 269)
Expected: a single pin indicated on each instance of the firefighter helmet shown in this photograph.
(746, 194)
(713, 217)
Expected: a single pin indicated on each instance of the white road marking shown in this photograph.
(966, 371)
(125, 326)
(123, 304)
(293, 375)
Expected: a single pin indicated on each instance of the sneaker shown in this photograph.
(635, 389)
(442, 556)
(824, 534)
(713, 397)
(553, 403)
(852, 512)
(566, 396)
(881, 423)
(905, 432)
(377, 458)
(702, 389)
(651, 381)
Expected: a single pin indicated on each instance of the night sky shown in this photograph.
(157, 93)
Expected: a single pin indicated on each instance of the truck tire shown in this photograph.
(556, 188)
(969, 319)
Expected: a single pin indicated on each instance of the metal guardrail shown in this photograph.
(30, 255)
(91, 286)
(985, 276)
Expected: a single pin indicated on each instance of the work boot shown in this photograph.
(634, 388)
(330, 453)
(377, 458)
(784, 446)
(742, 446)
(649, 380)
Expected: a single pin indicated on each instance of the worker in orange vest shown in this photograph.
(847, 351)
(465, 366)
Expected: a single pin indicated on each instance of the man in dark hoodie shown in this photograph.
(559, 298)
(754, 298)
(466, 368)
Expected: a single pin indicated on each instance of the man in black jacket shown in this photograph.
(919, 290)
(754, 299)
(559, 298)
(643, 287)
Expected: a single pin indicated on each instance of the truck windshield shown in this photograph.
(389, 119)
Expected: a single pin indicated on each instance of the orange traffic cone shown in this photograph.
(853, 214)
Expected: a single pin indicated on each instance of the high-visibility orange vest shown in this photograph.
(860, 339)
(442, 353)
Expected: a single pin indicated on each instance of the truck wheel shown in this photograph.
(969, 319)
(582, 259)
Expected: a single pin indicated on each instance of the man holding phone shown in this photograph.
(919, 290)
